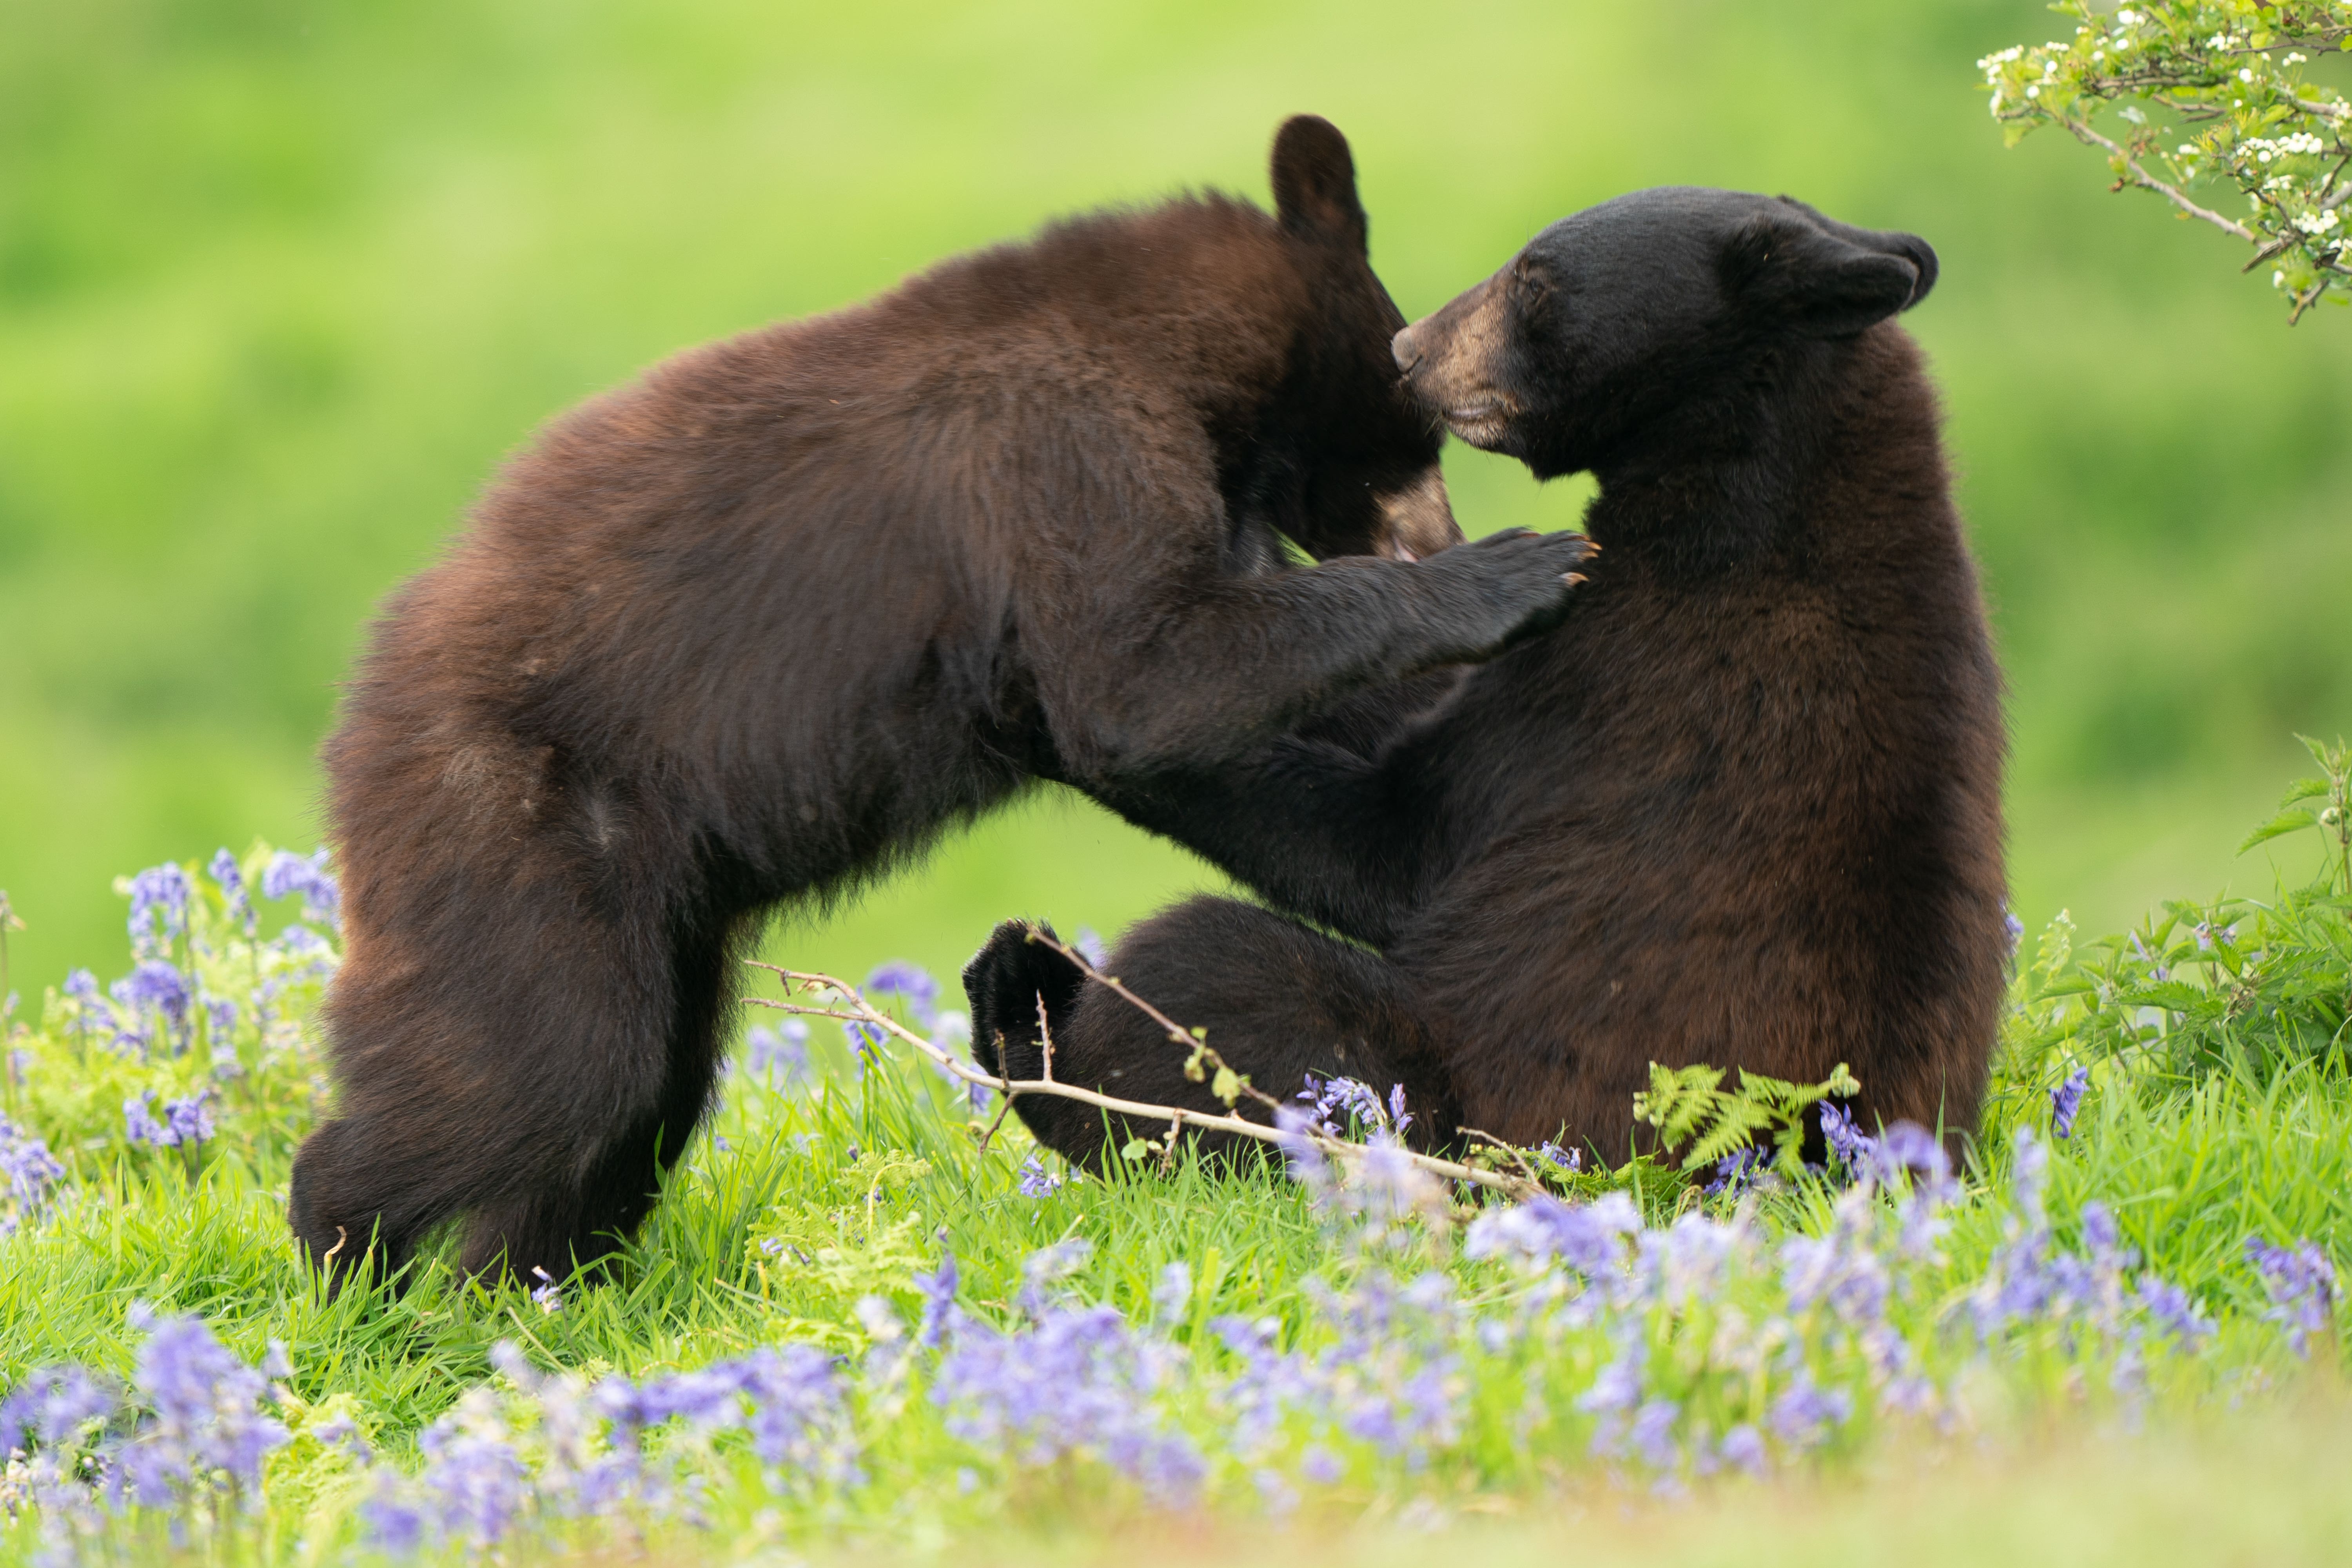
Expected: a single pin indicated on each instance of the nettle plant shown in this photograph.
(2201, 95)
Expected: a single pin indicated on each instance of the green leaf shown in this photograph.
(1227, 1085)
(1134, 1149)
(2172, 996)
(2284, 823)
(2302, 789)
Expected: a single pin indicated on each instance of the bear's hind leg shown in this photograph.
(581, 1211)
(359, 1194)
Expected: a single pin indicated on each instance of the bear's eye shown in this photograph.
(1534, 286)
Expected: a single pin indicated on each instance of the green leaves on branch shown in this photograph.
(2206, 95)
(1693, 1111)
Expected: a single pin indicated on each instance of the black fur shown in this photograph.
(1743, 808)
(760, 625)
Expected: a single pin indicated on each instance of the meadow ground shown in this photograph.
(856, 1322)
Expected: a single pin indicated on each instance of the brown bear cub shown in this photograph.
(1742, 807)
(760, 624)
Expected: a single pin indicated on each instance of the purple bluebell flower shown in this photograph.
(1743, 1448)
(51, 1406)
(1307, 1163)
(139, 1125)
(1616, 1392)
(547, 1296)
(1566, 1159)
(27, 1166)
(1736, 1171)
(1172, 1295)
(1345, 1099)
(1588, 1237)
(911, 983)
(156, 983)
(1805, 1414)
(797, 1414)
(343, 1433)
(82, 986)
(231, 880)
(1398, 1117)
(476, 1480)
(1036, 1181)
(205, 1423)
(1389, 1185)
(2065, 1100)
(390, 1520)
(2014, 927)
(220, 1016)
(159, 899)
(1839, 1269)
(1089, 946)
(2301, 1283)
(189, 1119)
(1080, 1381)
(309, 950)
(1281, 1498)
(939, 1310)
(777, 1058)
(2173, 1309)
(1652, 1436)
(1043, 1271)
(1909, 1150)
(1848, 1144)
(289, 874)
(2029, 1170)
(865, 1041)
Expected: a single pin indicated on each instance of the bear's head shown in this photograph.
(1654, 328)
(1339, 458)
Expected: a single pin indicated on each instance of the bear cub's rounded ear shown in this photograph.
(1314, 183)
(1830, 280)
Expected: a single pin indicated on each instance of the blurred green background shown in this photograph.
(280, 282)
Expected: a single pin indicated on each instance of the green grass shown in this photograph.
(278, 286)
(862, 1179)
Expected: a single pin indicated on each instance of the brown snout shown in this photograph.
(1451, 359)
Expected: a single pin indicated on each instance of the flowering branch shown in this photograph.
(2232, 67)
(850, 1007)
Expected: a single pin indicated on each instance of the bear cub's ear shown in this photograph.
(1314, 183)
(1828, 279)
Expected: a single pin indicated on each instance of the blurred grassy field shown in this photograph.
(279, 284)
(2265, 1489)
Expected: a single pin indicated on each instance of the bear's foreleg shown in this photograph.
(1277, 1001)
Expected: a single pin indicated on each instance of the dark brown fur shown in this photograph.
(760, 626)
(1742, 809)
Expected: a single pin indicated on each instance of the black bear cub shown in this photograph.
(760, 624)
(1742, 807)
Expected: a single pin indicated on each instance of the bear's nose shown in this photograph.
(1407, 350)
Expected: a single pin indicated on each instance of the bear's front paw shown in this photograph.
(1521, 584)
(1005, 983)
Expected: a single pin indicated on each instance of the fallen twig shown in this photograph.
(861, 1011)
